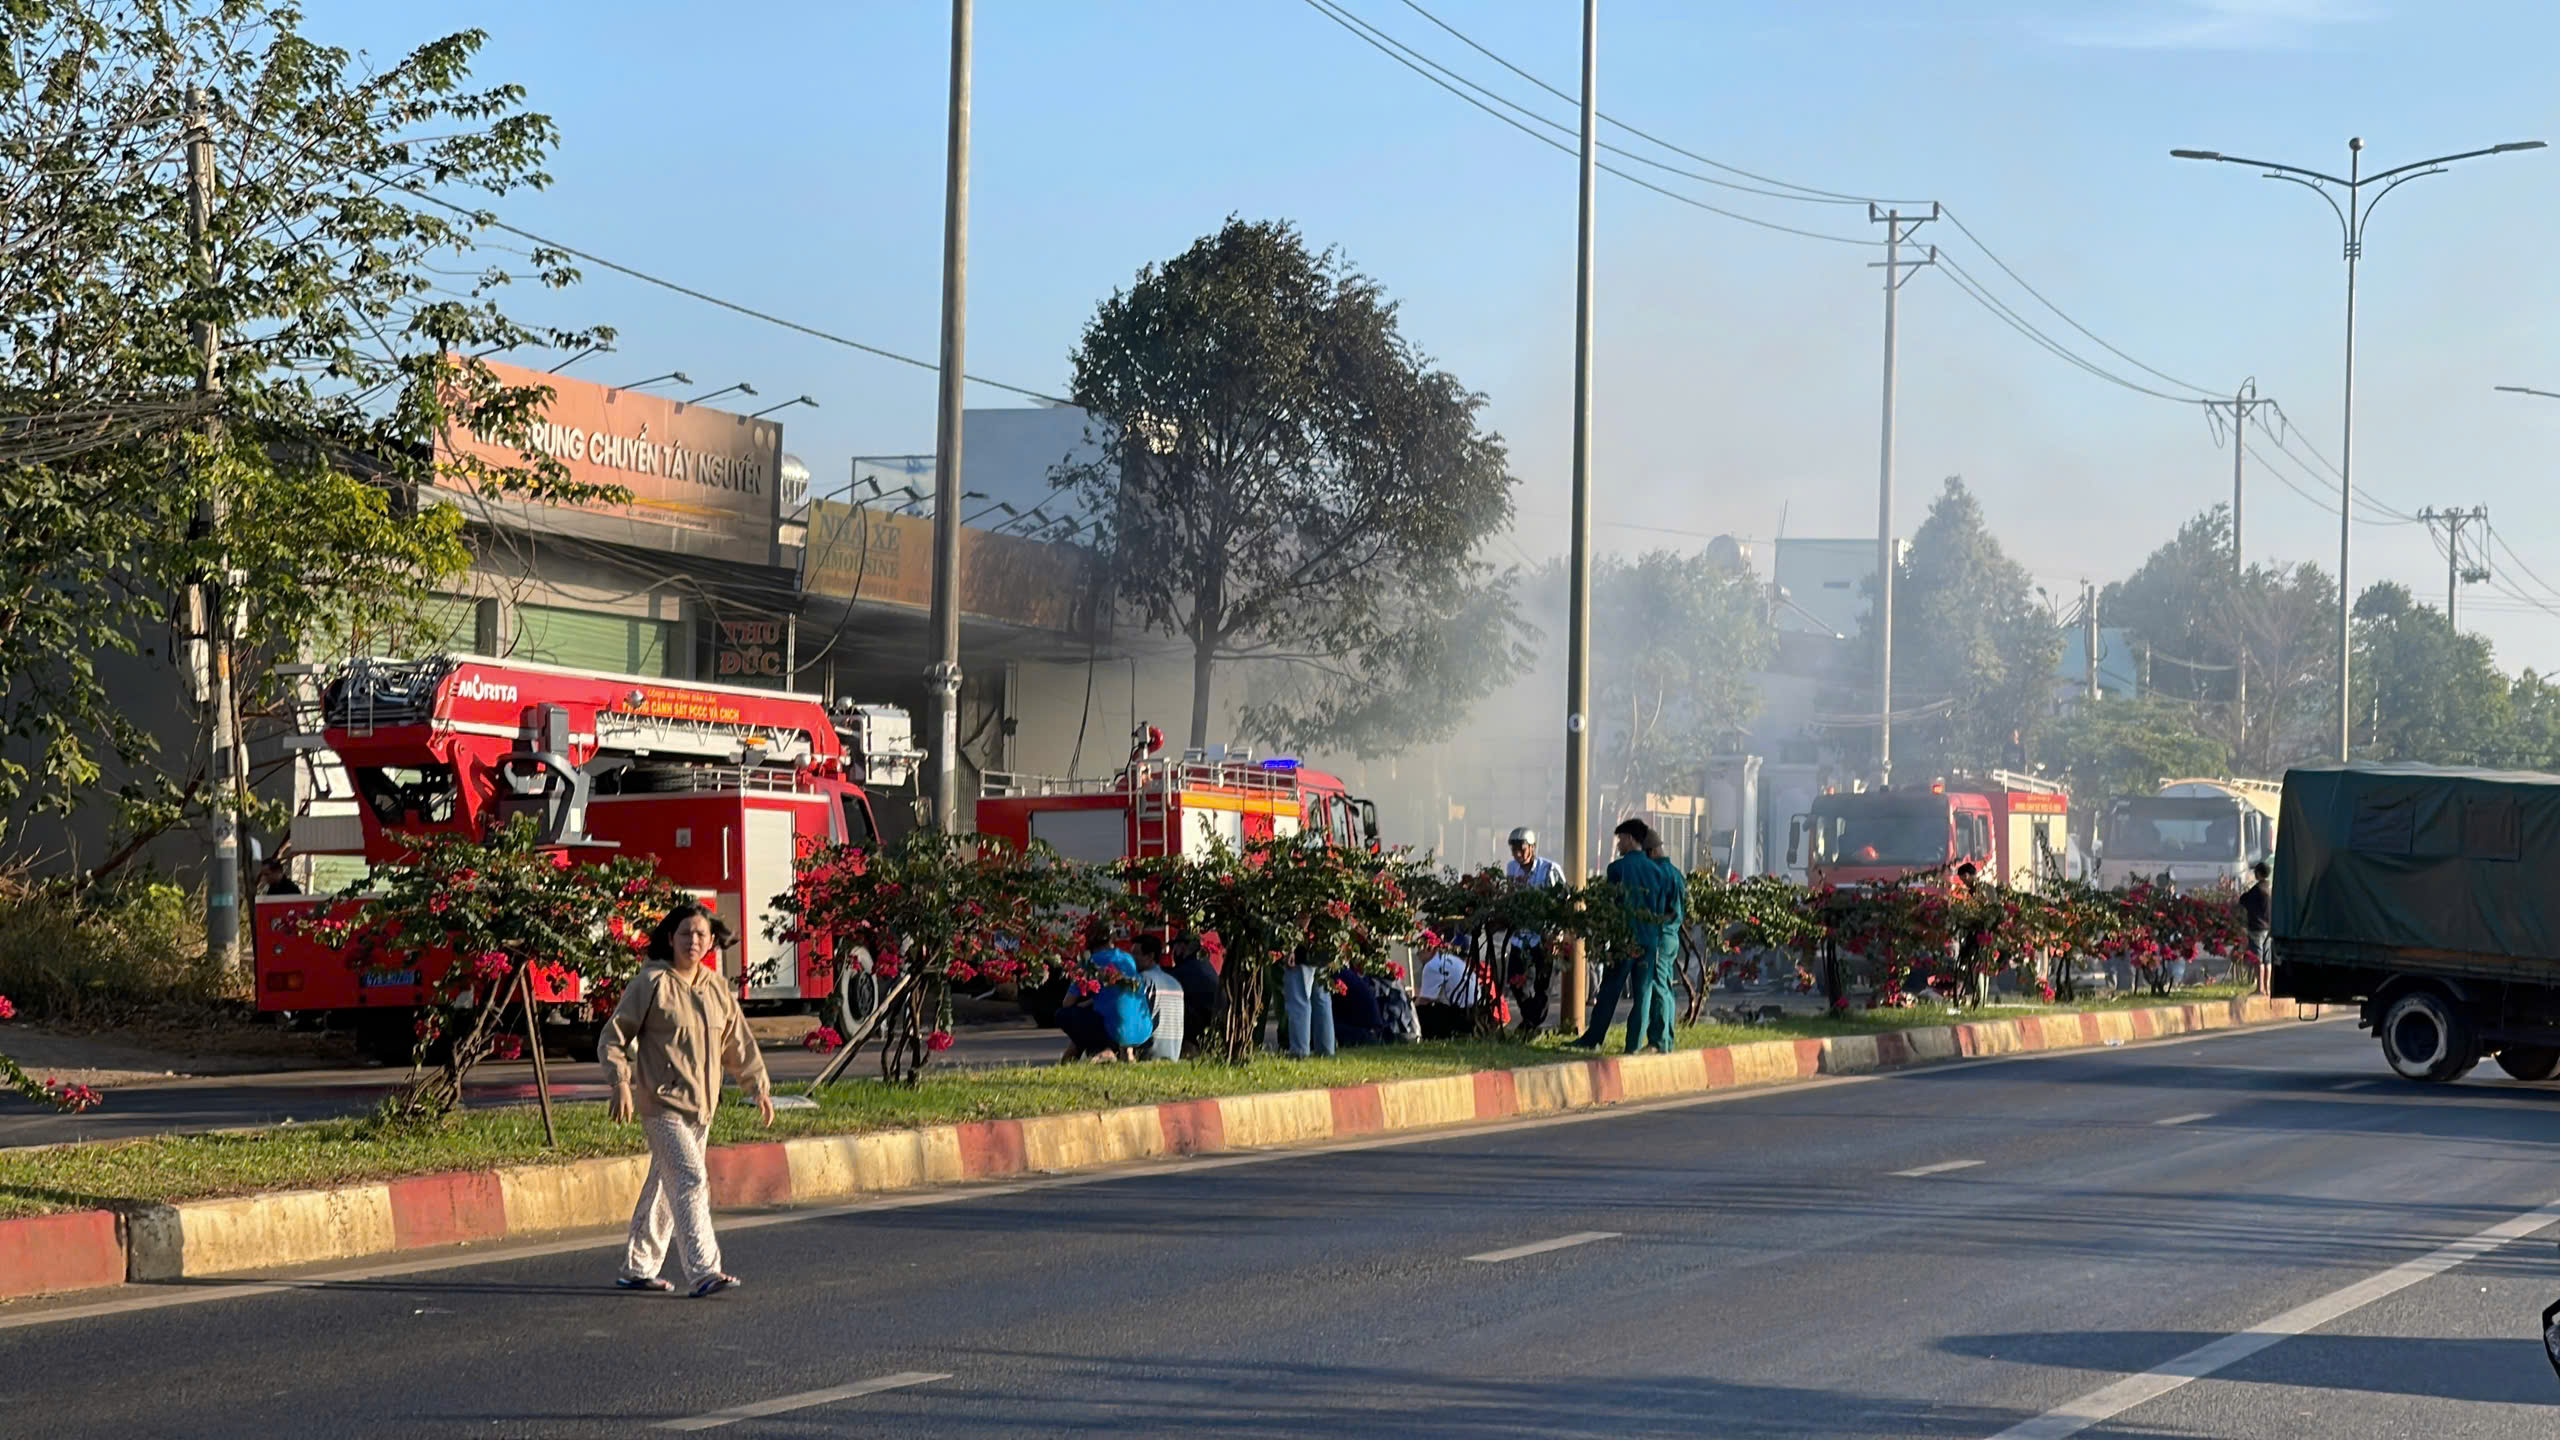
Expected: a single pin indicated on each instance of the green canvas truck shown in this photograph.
(2430, 898)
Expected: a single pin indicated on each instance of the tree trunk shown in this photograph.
(1204, 660)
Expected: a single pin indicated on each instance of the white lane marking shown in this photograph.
(2185, 1119)
(2351, 1085)
(17, 1314)
(802, 1401)
(1941, 1168)
(2101, 1405)
(1561, 1242)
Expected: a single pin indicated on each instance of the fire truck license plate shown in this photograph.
(381, 979)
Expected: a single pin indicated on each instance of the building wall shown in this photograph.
(1826, 584)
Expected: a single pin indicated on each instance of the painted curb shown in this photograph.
(88, 1249)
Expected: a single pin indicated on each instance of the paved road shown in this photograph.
(1760, 1266)
(233, 1101)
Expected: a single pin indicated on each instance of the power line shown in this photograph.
(491, 221)
(1967, 232)
(1342, 15)
(1693, 202)
(1808, 193)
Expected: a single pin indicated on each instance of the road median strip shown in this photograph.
(190, 1239)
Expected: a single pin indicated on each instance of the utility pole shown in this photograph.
(2089, 634)
(2454, 573)
(1897, 228)
(2242, 403)
(1577, 704)
(942, 677)
(208, 598)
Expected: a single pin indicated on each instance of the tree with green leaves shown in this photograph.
(2203, 626)
(1287, 477)
(2424, 691)
(1968, 636)
(2127, 747)
(339, 273)
(1676, 640)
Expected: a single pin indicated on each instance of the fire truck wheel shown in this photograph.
(857, 994)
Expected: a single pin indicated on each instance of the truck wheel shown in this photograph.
(2424, 1038)
(2531, 1062)
(858, 992)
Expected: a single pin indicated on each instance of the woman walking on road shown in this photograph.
(677, 1025)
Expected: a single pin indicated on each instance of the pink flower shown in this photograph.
(824, 1040)
(507, 1047)
(490, 965)
(439, 903)
(7, 1010)
(938, 1041)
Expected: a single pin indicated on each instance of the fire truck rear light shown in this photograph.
(285, 980)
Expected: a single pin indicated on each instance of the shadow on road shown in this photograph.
(2488, 1372)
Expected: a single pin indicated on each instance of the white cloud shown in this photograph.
(2211, 24)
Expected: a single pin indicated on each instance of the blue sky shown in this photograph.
(789, 155)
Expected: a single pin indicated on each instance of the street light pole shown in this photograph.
(1577, 718)
(2351, 222)
(942, 677)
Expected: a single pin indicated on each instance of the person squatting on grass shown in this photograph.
(677, 1025)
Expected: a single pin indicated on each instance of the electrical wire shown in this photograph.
(1544, 139)
(1342, 15)
(1967, 231)
(1807, 192)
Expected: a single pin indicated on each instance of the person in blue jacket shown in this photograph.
(1657, 899)
(1115, 1020)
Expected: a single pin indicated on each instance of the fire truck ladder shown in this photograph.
(1152, 815)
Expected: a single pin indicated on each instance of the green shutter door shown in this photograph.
(584, 640)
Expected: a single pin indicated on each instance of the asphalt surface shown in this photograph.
(230, 1102)
(1751, 1267)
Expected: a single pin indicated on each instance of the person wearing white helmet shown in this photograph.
(1529, 970)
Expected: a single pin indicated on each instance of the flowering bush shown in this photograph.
(2156, 927)
(520, 913)
(822, 1041)
(945, 908)
(1743, 927)
(1478, 914)
(47, 1091)
(1273, 902)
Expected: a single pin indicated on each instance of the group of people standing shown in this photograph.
(1656, 896)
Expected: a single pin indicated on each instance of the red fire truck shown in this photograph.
(2010, 826)
(722, 788)
(1162, 806)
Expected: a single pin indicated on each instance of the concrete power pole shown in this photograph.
(2089, 635)
(942, 677)
(2454, 573)
(2241, 405)
(208, 598)
(1577, 717)
(1897, 228)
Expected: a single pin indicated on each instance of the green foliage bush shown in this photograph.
(109, 954)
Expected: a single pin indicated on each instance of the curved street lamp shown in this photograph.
(2351, 221)
(677, 376)
(785, 405)
(741, 388)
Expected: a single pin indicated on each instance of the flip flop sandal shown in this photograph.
(635, 1282)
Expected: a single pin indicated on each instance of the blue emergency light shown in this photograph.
(1280, 762)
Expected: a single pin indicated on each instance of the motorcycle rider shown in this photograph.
(1530, 968)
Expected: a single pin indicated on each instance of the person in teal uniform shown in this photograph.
(1657, 900)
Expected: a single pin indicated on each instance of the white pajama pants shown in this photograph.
(675, 1200)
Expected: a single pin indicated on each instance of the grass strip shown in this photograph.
(163, 1169)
